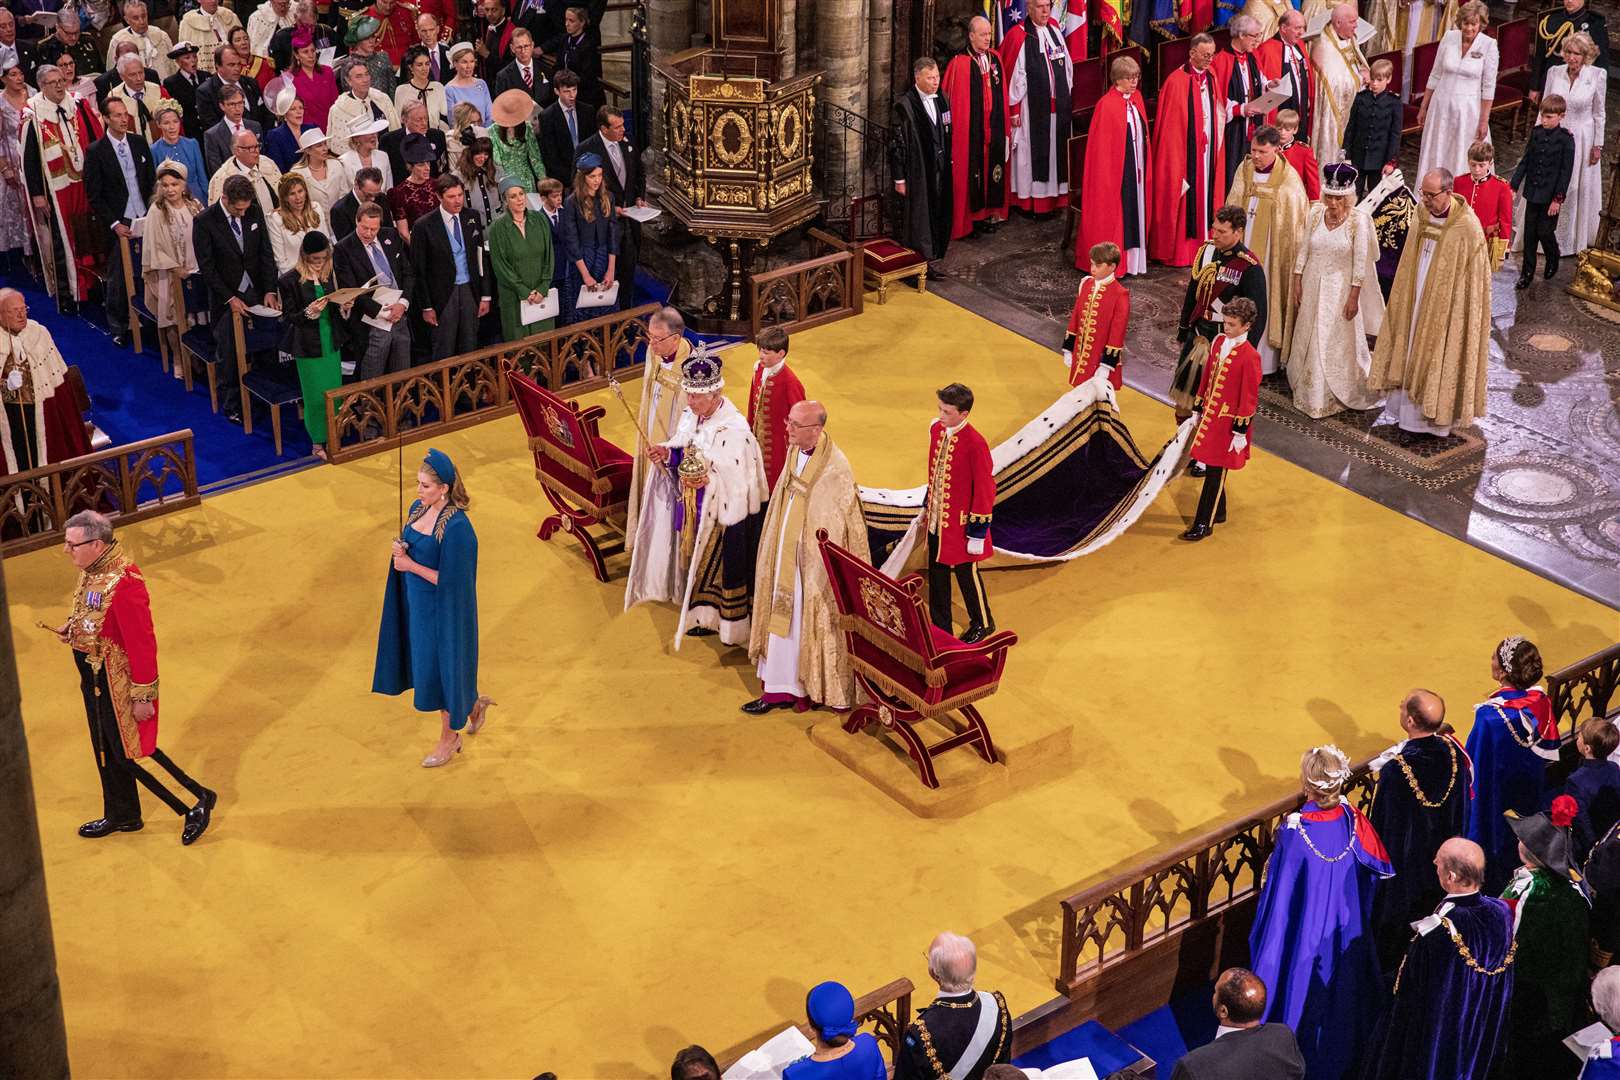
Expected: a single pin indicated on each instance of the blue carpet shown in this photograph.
(1165, 1035)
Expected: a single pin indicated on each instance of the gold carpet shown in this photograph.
(622, 863)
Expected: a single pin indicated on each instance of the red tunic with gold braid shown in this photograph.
(774, 391)
(1226, 403)
(1097, 330)
(112, 625)
(961, 492)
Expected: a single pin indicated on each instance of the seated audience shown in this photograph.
(842, 1052)
(947, 1027)
(1594, 785)
(1245, 1047)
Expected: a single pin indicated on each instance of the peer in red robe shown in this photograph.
(1095, 342)
(1189, 174)
(1114, 187)
(976, 87)
(1285, 55)
(774, 391)
(42, 423)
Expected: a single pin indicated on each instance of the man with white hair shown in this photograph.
(1342, 70)
(66, 38)
(152, 43)
(1238, 81)
(59, 131)
(1603, 1060)
(110, 632)
(247, 161)
(1285, 57)
(42, 420)
(208, 26)
(964, 1031)
(661, 405)
(138, 95)
(1040, 84)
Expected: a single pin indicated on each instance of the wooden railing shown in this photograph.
(885, 1012)
(366, 417)
(128, 483)
(811, 293)
(1584, 689)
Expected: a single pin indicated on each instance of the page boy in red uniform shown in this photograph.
(774, 391)
(1225, 406)
(1490, 198)
(1094, 347)
(961, 496)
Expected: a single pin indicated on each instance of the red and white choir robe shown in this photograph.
(1278, 59)
(41, 423)
(1189, 173)
(1229, 397)
(1238, 81)
(54, 141)
(1096, 336)
(961, 491)
(773, 392)
(1310, 170)
(1040, 77)
(112, 625)
(975, 84)
(1115, 185)
(1492, 202)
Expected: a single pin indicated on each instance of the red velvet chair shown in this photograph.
(911, 670)
(585, 477)
(1423, 58)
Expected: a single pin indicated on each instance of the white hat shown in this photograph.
(374, 126)
(458, 48)
(310, 137)
(283, 99)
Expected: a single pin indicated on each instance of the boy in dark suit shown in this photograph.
(1542, 178)
(1372, 135)
(551, 196)
(562, 126)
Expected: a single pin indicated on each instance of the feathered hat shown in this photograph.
(1546, 836)
(700, 372)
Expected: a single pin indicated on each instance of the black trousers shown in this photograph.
(1539, 228)
(457, 331)
(968, 579)
(624, 267)
(121, 801)
(1212, 500)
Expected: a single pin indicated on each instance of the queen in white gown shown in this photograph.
(1461, 86)
(1583, 87)
(1328, 357)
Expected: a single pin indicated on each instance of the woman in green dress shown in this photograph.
(314, 334)
(520, 251)
(512, 136)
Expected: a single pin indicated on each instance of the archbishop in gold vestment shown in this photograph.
(832, 503)
(1435, 342)
(1277, 205)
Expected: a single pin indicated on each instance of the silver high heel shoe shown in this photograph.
(480, 713)
(433, 761)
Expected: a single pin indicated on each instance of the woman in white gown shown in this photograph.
(1456, 108)
(1336, 294)
(1583, 86)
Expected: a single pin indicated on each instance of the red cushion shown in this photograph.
(886, 255)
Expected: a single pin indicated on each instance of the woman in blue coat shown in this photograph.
(590, 232)
(429, 635)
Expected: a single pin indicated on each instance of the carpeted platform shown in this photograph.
(622, 863)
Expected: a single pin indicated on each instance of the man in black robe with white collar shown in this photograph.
(921, 163)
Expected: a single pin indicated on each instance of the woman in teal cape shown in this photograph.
(428, 641)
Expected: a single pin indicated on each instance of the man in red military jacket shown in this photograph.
(775, 390)
(1225, 406)
(110, 632)
(961, 497)
(977, 91)
(1490, 197)
(1094, 347)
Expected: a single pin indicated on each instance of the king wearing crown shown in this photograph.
(701, 512)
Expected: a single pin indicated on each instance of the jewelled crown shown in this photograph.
(700, 372)
(1339, 178)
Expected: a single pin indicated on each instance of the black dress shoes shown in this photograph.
(975, 634)
(100, 827)
(1523, 283)
(197, 818)
(1196, 532)
(700, 631)
(1197, 469)
(1552, 269)
(759, 706)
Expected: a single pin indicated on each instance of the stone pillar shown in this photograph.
(880, 61)
(669, 31)
(841, 51)
(787, 34)
(33, 1040)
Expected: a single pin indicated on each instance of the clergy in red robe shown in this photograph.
(774, 391)
(1284, 56)
(1040, 80)
(1238, 82)
(976, 88)
(43, 424)
(59, 131)
(1189, 172)
(1114, 187)
(1195, 16)
(1094, 347)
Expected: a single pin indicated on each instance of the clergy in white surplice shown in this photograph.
(1040, 82)
(795, 641)
(698, 530)
(661, 403)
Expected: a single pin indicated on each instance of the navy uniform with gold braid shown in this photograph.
(936, 1040)
(1551, 31)
(1218, 277)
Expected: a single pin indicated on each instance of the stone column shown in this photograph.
(33, 1040)
(841, 49)
(669, 31)
(880, 61)
(787, 37)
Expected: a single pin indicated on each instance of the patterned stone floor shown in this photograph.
(1537, 480)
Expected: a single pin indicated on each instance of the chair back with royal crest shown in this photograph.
(569, 454)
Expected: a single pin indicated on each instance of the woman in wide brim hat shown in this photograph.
(513, 138)
(327, 177)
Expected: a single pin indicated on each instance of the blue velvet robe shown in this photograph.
(1448, 1021)
(1604, 1062)
(1312, 941)
(428, 640)
(1511, 744)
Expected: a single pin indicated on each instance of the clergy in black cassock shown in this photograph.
(921, 163)
(1419, 802)
(1448, 1020)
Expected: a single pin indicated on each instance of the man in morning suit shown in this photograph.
(626, 183)
(451, 288)
(118, 175)
(367, 189)
(227, 72)
(523, 73)
(239, 268)
(561, 126)
(374, 250)
(182, 86)
(219, 141)
(413, 119)
(965, 1030)
(1244, 1048)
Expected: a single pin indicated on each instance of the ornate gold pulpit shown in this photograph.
(737, 145)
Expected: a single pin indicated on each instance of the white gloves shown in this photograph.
(975, 547)
(1239, 441)
(1068, 359)
(1104, 387)
(14, 381)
